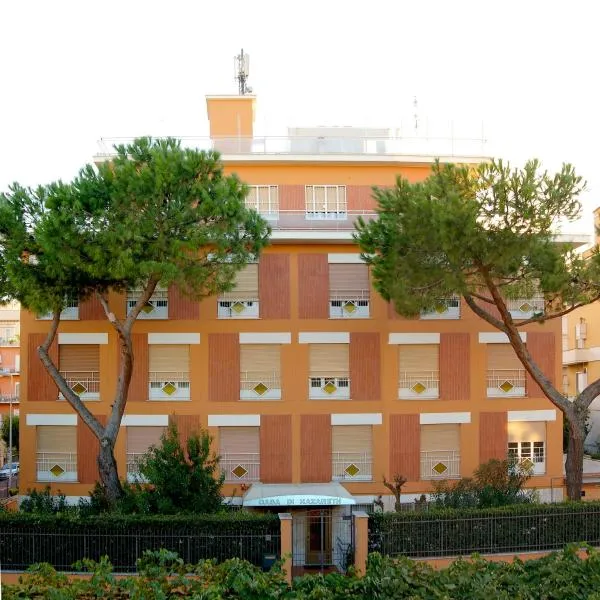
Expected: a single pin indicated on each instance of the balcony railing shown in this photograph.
(349, 304)
(322, 387)
(505, 383)
(525, 308)
(440, 464)
(244, 307)
(86, 384)
(169, 385)
(56, 466)
(351, 466)
(241, 466)
(9, 399)
(10, 341)
(260, 385)
(419, 384)
(156, 308)
(445, 308)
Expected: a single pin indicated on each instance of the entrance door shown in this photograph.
(318, 537)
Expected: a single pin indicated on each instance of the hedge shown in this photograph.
(62, 539)
(518, 528)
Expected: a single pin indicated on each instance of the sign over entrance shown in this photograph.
(300, 500)
(297, 495)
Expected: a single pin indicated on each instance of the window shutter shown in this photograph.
(239, 440)
(260, 358)
(435, 438)
(329, 359)
(352, 438)
(169, 358)
(246, 284)
(502, 356)
(139, 439)
(527, 431)
(79, 357)
(416, 358)
(348, 280)
(54, 439)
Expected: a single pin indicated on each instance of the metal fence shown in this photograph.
(485, 534)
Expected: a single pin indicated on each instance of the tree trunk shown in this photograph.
(574, 463)
(107, 469)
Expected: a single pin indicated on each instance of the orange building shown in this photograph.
(313, 388)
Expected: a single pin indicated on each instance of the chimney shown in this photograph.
(230, 116)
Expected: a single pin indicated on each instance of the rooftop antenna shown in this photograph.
(241, 65)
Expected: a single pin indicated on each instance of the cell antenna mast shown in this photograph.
(241, 64)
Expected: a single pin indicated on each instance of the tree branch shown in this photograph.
(484, 314)
(562, 313)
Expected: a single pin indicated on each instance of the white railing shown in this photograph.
(56, 466)
(156, 308)
(505, 383)
(133, 472)
(169, 385)
(419, 384)
(86, 384)
(348, 304)
(322, 387)
(260, 385)
(529, 456)
(9, 399)
(9, 341)
(445, 308)
(238, 308)
(440, 464)
(525, 308)
(351, 466)
(69, 313)
(241, 466)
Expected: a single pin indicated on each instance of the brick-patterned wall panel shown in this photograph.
(186, 426)
(315, 448)
(292, 197)
(138, 389)
(223, 367)
(91, 310)
(87, 452)
(181, 307)
(541, 345)
(274, 286)
(365, 366)
(276, 448)
(455, 376)
(40, 386)
(493, 436)
(360, 197)
(405, 447)
(313, 286)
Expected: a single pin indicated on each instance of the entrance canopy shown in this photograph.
(297, 495)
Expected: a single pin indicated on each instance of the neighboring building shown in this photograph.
(311, 385)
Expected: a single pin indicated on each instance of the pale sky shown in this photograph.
(75, 71)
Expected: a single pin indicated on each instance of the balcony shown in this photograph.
(69, 313)
(86, 384)
(260, 385)
(446, 308)
(505, 383)
(169, 385)
(440, 464)
(10, 341)
(325, 387)
(351, 466)
(240, 467)
(241, 308)
(351, 304)
(56, 466)
(529, 456)
(9, 399)
(156, 308)
(526, 308)
(419, 385)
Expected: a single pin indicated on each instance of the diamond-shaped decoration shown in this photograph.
(525, 307)
(260, 388)
(506, 386)
(148, 308)
(79, 388)
(57, 470)
(418, 388)
(238, 307)
(169, 388)
(352, 470)
(441, 308)
(350, 307)
(239, 471)
(329, 387)
(527, 464)
(440, 468)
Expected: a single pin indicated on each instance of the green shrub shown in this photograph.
(44, 503)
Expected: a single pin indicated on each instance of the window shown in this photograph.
(80, 366)
(264, 199)
(239, 449)
(505, 374)
(242, 301)
(581, 380)
(56, 453)
(527, 444)
(260, 377)
(69, 313)
(8, 333)
(348, 291)
(419, 371)
(440, 451)
(329, 371)
(445, 308)
(326, 202)
(352, 452)
(139, 440)
(156, 308)
(169, 372)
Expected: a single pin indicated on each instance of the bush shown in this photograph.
(44, 503)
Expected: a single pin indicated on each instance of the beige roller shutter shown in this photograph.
(139, 439)
(169, 358)
(344, 279)
(502, 356)
(79, 357)
(239, 440)
(267, 198)
(246, 284)
(435, 438)
(418, 358)
(527, 431)
(260, 358)
(316, 199)
(352, 438)
(329, 360)
(56, 439)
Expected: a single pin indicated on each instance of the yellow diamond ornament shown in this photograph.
(527, 464)
(350, 307)
(148, 308)
(525, 307)
(57, 470)
(440, 468)
(169, 388)
(79, 388)
(418, 388)
(329, 387)
(239, 471)
(441, 308)
(260, 388)
(238, 307)
(506, 386)
(352, 470)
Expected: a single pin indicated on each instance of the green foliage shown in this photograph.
(5, 431)
(45, 503)
(495, 483)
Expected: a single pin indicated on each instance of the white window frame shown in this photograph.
(535, 451)
(159, 299)
(312, 212)
(253, 202)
